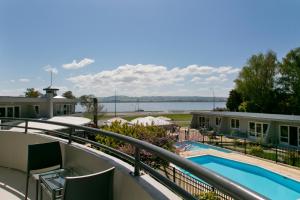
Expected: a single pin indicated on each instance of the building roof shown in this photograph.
(262, 116)
(50, 89)
(62, 119)
(10, 100)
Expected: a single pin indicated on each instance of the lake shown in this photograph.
(158, 106)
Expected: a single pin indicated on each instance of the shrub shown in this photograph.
(207, 196)
(256, 150)
(292, 157)
(236, 142)
(152, 134)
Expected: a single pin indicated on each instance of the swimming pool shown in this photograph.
(196, 146)
(260, 180)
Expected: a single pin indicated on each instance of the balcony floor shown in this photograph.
(12, 185)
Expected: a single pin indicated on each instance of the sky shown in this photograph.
(139, 47)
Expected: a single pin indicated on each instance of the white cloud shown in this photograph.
(24, 80)
(12, 81)
(76, 65)
(49, 68)
(196, 79)
(152, 79)
(12, 92)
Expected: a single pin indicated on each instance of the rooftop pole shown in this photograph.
(214, 99)
(51, 74)
(213, 94)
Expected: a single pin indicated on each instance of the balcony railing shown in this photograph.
(218, 182)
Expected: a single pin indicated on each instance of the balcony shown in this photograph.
(133, 179)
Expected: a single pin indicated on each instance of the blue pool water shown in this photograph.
(195, 146)
(262, 181)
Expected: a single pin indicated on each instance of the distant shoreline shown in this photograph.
(178, 101)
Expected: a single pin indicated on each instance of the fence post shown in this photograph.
(276, 154)
(202, 138)
(221, 141)
(174, 175)
(26, 126)
(137, 162)
(245, 146)
(70, 135)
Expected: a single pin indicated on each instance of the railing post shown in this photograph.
(245, 146)
(276, 154)
(174, 175)
(137, 162)
(26, 126)
(70, 135)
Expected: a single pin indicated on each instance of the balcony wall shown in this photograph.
(13, 154)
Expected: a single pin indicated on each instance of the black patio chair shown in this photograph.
(42, 156)
(92, 187)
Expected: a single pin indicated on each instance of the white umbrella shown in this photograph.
(149, 120)
(116, 119)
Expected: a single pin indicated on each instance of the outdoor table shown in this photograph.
(54, 182)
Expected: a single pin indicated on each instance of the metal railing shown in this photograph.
(276, 153)
(222, 184)
(192, 184)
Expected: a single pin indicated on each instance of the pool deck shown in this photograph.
(284, 170)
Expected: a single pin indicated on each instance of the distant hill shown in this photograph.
(161, 99)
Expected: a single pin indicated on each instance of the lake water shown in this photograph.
(159, 106)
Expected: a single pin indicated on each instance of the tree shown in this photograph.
(256, 82)
(234, 100)
(289, 82)
(31, 92)
(68, 95)
(87, 101)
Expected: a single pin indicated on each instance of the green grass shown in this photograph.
(102, 117)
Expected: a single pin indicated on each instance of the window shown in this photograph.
(284, 134)
(37, 110)
(265, 128)
(218, 121)
(59, 109)
(65, 109)
(257, 129)
(235, 123)
(203, 122)
(290, 135)
(17, 111)
(2, 111)
(10, 111)
(252, 129)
